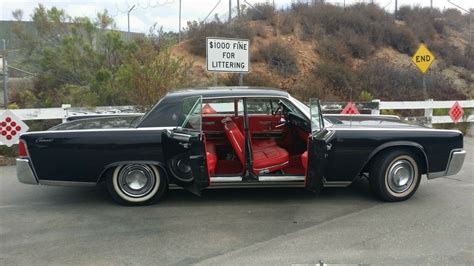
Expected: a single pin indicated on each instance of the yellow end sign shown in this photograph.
(423, 58)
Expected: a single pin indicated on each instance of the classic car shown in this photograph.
(237, 137)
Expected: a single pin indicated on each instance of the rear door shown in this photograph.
(184, 148)
(319, 145)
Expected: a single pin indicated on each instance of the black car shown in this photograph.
(237, 137)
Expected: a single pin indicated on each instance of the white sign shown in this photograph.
(227, 55)
(10, 128)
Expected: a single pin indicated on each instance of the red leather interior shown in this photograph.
(211, 157)
(207, 109)
(267, 156)
(235, 137)
(304, 159)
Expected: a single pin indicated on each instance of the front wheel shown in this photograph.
(136, 184)
(395, 175)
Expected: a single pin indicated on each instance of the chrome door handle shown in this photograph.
(44, 141)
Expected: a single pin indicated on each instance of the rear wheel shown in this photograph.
(136, 184)
(395, 175)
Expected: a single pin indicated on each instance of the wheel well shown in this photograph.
(420, 157)
(109, 170)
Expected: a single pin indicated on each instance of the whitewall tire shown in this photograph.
(137, 184)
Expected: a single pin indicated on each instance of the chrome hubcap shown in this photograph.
(136, 180)
(400, 176)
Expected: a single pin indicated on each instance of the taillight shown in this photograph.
(22, 149)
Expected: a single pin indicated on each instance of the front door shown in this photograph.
(319, 145)
(185, 149)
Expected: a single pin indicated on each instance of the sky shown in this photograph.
(165, 12)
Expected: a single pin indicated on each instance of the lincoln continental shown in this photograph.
(236, 137)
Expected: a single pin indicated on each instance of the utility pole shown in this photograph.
(230, 10)
(396, 9)
(179, 34)
(238, 8)
(5, 75)
(431, 4)
(128, 19)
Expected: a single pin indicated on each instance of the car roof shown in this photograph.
(237, 91)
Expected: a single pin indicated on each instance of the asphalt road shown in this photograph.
(64, 225)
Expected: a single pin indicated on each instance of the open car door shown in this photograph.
(184, 148)
(318, 148)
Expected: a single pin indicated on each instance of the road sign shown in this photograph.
(10, 128)
(423, 58)
(456, 112)
(350, 109)
(227, 55)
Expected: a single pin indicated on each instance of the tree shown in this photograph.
(87, 62)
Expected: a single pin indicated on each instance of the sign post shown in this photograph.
(423, 59)
(228, 55)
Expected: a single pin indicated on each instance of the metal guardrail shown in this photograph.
(374, 107)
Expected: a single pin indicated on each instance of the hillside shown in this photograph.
(325, 51)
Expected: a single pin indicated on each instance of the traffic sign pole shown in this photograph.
(425, 90)
(5, 75)
(423, 59)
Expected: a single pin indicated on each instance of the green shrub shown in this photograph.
(387, 82)
(280, 57)
(402, 39)
(288, 23)
(262, 11)
(250, 79)
(334, 49)
(197, 33)
(337, 77)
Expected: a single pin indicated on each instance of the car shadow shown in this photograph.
(359, 191)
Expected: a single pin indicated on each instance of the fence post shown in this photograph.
(377, 110)
(429, 114)
(65, 107)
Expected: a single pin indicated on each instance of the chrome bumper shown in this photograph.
(24, 172)
(456, 160)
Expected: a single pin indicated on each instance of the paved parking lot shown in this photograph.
(59, 225)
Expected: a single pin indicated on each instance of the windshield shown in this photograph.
(305, 109)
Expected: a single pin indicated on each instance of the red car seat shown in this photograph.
(266, 157)
(304, 159)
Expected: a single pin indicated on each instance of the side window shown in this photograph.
(259, 106)
(220, 107)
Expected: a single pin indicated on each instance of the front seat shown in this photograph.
(266, 158)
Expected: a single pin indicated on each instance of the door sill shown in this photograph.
(280, 178)
(225, 179)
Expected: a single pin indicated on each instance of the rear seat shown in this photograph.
(267, 156)
(211, 157)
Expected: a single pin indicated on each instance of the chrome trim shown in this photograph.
(273, 178)
(256, 185)
(270, 167)
(100, 130)
(455, 163)
(335, 183)
(393, 129)
(24, 172)
(225, 179)
(365, 115)
(66, 183)
(248, 185)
